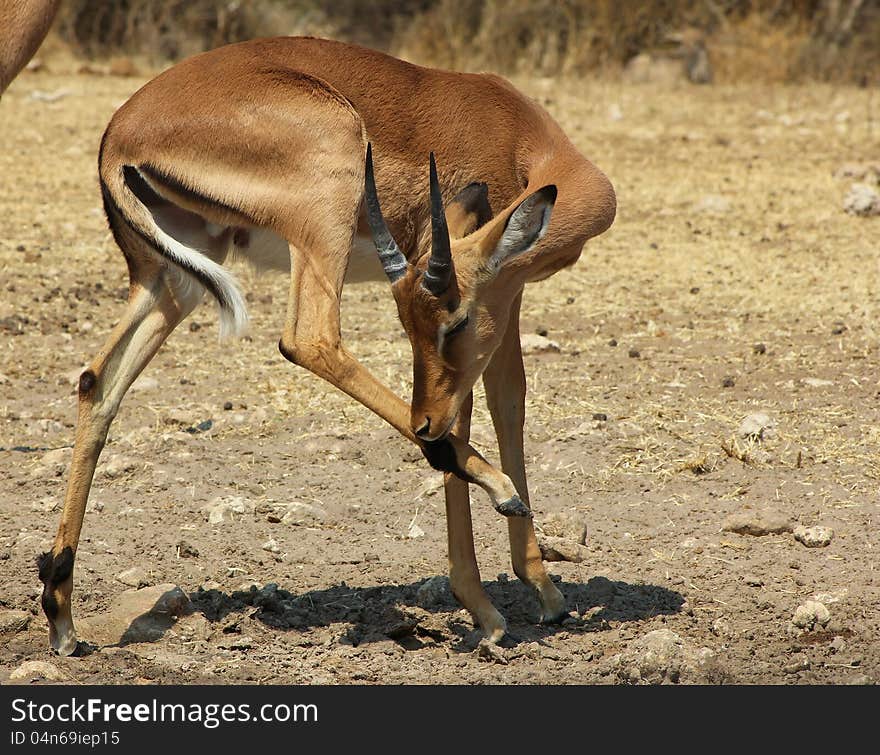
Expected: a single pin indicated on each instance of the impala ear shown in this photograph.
(468, 210)
(525, 226)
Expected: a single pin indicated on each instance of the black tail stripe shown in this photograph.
(114, 212)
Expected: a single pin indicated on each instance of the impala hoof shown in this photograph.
(62, 638)
(513, 506)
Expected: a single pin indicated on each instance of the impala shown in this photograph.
(260, 149)
(23, 26)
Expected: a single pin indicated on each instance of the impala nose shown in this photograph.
(425, 430)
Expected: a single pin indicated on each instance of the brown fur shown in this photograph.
(23, 26)
(269, 136)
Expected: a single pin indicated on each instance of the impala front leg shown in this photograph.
(312, 339)
(505, 383)
(464, 573)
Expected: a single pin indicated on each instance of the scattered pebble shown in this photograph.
(137, 616)
(753, 581)
(634, 353)
(185, 550)
(561, 549)
(712, 203)
(814, 537)
(663, 657)
(757, 426)
(14, 621)
(144, 383)
(435, 593)
(271, 545)
(415, 531)
(759, 348)
(862, 199)
(757, 523)
(801, 663)
(728, 382)
(133, 577)
(811, 614)
(31, 670)
(532, 343)
(817, 382)
(227, 509)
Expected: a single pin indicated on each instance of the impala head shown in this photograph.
(454, 302)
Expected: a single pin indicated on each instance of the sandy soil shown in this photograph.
(731, 283)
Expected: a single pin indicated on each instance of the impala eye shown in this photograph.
(458, 327)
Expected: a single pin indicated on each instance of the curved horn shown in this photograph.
(393, 261)
(440, 270)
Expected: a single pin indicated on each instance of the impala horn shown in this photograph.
(440, 270)
(393, 262)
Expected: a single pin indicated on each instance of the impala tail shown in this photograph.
(132, 199)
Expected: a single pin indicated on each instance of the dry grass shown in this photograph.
(748, 40)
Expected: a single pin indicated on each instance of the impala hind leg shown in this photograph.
(505, 383)
(464, 573)
(157, 303)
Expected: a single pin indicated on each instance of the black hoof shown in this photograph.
(513, 506)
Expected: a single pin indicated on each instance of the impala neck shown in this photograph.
(585, 207)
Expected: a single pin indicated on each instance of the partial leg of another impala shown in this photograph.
(258, 149)
(23, 27)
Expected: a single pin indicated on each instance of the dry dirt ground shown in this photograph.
(731, 283)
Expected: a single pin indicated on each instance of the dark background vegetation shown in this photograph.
(761, 40)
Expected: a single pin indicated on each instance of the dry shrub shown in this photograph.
(770, 40)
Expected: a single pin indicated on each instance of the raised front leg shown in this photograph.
(505, 383)
(312, 339)
(464, 573)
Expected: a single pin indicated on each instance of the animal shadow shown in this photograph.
(425, 612)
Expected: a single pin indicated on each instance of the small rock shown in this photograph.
(814, 537)
(837, 644)
(817, 382)
(859, 171)
(185, 550)
(303, 514)
(748, 522)
(753, 581)
(133, 577)
(228, 509)
(137, 616)
(432, 485)
(728, 382)
(634, 353)
(491, 653)
(271, 546)
(662, 657)
(759, 348)
(757, 426)
(435, 593)
(721, 627)
(862, 199)
(31, 670)
(562, 549)
(532, 343)
(117, 465)
(810, 614)
(415, 531)
(567, 524)
(144, 383)
(712, 203)
(801, 663)
(13, 621)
